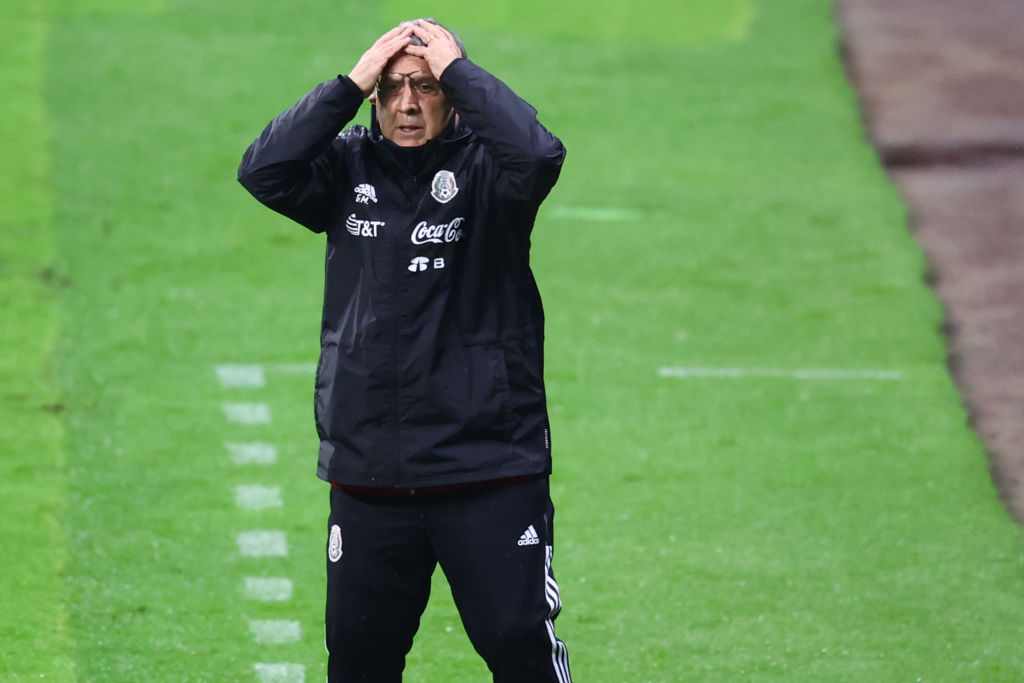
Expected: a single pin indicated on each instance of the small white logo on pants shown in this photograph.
(529, 537)
(334, 546)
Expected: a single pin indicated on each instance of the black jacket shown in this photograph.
(431, 364)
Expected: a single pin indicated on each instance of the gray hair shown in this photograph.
(430, 20)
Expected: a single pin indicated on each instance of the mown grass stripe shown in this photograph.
(33, 619)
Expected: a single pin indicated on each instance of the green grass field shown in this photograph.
(721, 234)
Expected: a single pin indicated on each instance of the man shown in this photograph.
(430, 401)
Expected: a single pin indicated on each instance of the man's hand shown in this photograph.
(440, 50)
(367, 70)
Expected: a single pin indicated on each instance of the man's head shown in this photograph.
(411, 109)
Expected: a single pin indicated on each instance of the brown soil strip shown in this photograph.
(941, 83)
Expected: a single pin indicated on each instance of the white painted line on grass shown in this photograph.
(595, 213)
(801, 374)
(258, 497)
(262, 543)
(294, 368)
(275, 631)
(247, 376)
(252, 453)
(280, 673)
(268, 589)
(247, 413)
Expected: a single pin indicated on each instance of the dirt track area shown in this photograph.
(941, 83)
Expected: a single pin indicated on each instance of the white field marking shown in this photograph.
(258, 497)
(252, 453)
(247, 376)
(275, 631)
(294, 368)
(262, 543)
(268, 589)
(801, 374)
(280, 673)
(247, 413)
(594, 213)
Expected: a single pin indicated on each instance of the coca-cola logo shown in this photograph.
(442, 233)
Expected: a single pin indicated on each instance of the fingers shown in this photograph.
(392, 42)
(368, 69)
(397, 34)
(440, 48)
(428, 32)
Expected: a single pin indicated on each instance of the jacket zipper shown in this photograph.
(411, 201)
(395, 411)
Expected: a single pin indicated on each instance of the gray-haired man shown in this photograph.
(430, 400)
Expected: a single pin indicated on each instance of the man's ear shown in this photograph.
(373, 96)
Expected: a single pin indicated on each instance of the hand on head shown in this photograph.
(369, 67)
(439, 50)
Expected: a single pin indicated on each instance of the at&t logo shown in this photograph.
(362, 228)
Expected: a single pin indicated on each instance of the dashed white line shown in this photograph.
(262, 543)
(247, 413)
(800, 374)
(258, 497)
(594, 213)
(275, 631)
(271, 589)
(294, 368)
(247, 376)
(280, 673)
(252, 453)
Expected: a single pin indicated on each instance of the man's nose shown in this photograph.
(406, 97)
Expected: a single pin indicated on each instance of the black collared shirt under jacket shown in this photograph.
(431, 363)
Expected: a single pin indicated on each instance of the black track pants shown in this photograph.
(494, 546)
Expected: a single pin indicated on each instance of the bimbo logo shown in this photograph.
(361, 228)
(442, 233)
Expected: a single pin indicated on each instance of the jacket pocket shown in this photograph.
(470, 392)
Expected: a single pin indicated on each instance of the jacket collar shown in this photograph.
(426, 157)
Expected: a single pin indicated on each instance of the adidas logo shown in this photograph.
(529, 537)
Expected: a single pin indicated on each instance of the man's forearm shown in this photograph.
(288, 166)
(505, 122)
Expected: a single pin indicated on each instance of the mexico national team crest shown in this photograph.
(334, 545)
(443, 188)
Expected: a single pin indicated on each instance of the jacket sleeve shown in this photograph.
(291, 166)
(529, 158)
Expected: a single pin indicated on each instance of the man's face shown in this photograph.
(411, 108)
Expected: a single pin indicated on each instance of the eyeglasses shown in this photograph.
(392, 83)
